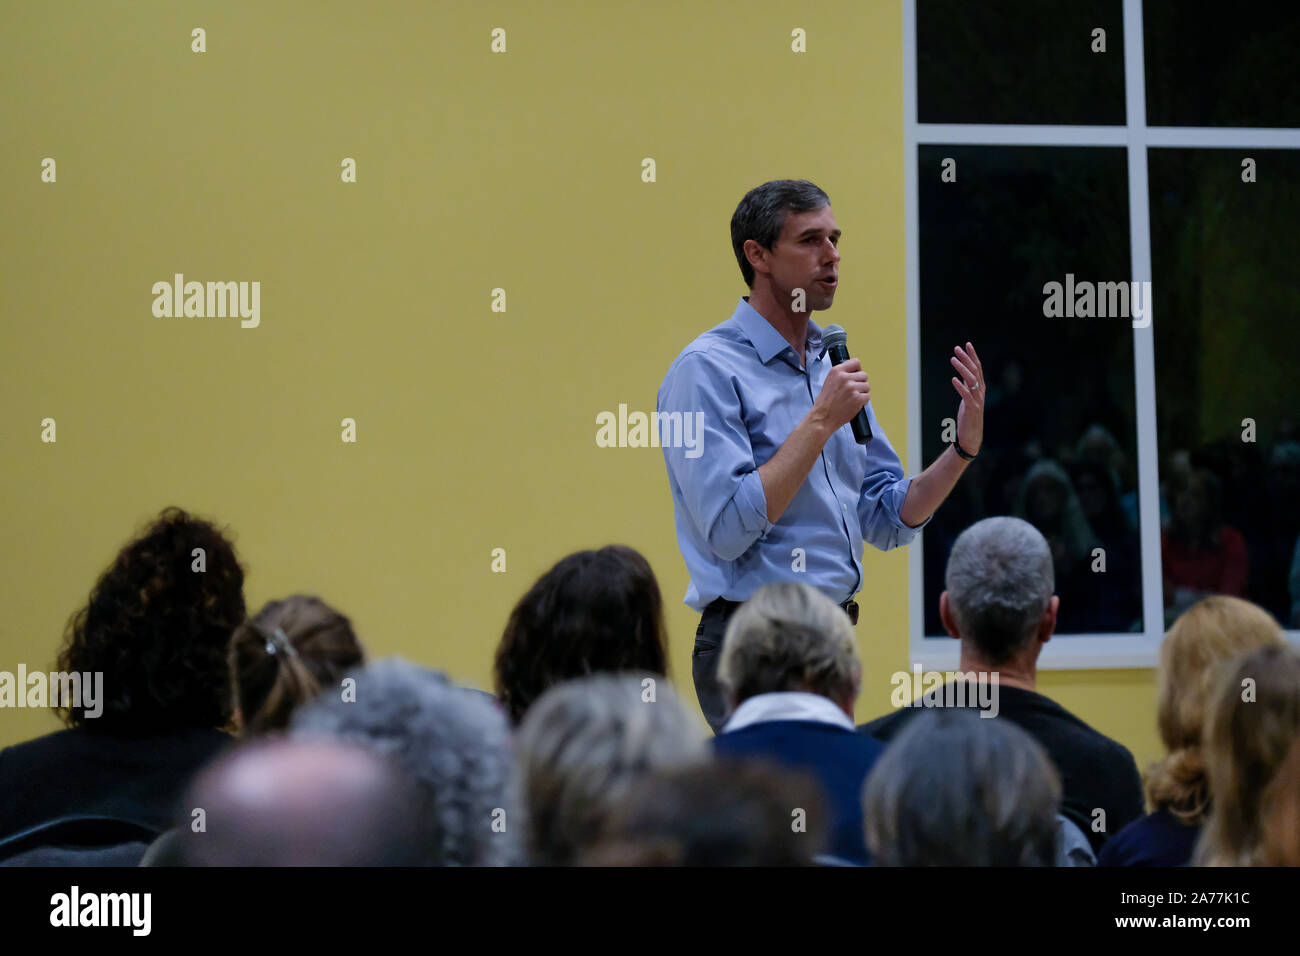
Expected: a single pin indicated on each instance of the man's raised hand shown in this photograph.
(970, 386)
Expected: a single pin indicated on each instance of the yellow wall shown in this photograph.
(475, 171)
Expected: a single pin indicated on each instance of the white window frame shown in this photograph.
(1065, 651)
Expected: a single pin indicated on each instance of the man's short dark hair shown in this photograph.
(761, 215)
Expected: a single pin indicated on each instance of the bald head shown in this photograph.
(302, 803)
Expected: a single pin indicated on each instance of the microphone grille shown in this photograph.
(834, 335)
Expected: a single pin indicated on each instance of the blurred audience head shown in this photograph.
(156, 625)
(1195, 498)
(1280, 814)
(284, 656)
(452, 741)
(1197, 647)
(789, 637)
(1252, 721)
(1048, 501)
(283, 802)
(956, 789)
(593, 612)
(1098, 446)
(998, 590)
(583, 746)
(1098, 495)
(728, 813)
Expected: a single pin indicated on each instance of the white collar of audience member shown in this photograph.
(788, 705)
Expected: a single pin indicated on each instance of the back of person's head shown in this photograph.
(451, 740)
(283, 656)
(956, 789)
(1280, 814)
(1252, 721)
(1200, 643)
(583, 746)
(999, 584)
(156, 626)
(726, 813)
(283, 802)
(789, 637)
(593, 612)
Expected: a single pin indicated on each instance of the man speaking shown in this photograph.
(781, 489)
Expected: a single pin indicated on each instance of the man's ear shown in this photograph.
(1047, 625)
(945, 615)
(755, 254)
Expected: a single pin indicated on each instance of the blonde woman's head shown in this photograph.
(789, 637)
(1200, 643)
(1252, 722)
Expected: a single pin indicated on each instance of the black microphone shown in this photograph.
(836, 341)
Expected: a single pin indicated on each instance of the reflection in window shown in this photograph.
(1224, 262)
(1060, 432)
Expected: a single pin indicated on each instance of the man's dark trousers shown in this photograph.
(704, 658)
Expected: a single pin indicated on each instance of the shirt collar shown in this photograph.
(767, 341)
(788, 705)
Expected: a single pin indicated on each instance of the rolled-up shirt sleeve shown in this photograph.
(884, 490)
(717, 479)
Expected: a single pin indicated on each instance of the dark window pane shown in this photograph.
(1060, 446)
(1224, 266)
(1211, 64)
(1019, 61)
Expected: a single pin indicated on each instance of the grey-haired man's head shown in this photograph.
(998, 591)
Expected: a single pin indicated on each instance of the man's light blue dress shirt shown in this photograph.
(745, 379)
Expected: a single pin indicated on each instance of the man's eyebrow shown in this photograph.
(814, 231)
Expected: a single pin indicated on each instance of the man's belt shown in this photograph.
(728, 608)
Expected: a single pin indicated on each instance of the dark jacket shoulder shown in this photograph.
(78, 772)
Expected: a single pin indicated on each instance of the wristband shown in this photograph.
(961, 452)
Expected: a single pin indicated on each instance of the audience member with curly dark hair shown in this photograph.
(156, 626)
(593, 612)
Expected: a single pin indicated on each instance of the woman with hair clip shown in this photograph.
(284, 656)
(279, 659)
